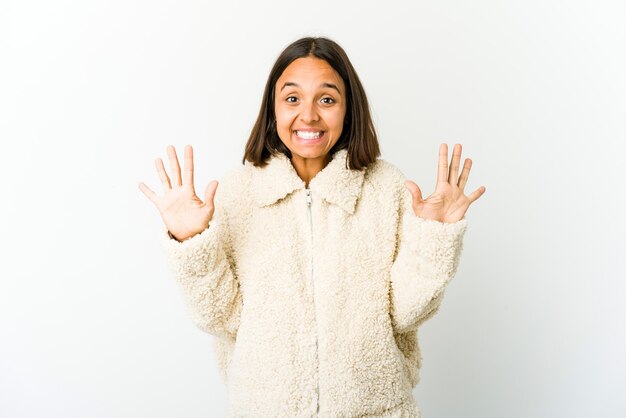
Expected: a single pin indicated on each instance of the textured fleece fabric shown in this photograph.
(315, 309)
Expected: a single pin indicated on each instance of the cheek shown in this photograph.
(335, 119)
(284, 117)
(284, 122)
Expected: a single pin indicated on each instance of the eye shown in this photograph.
(328, 100)
(289, 99)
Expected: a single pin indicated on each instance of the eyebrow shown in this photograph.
(327, 85)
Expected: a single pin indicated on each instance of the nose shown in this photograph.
(309, 113)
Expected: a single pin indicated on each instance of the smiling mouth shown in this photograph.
(309, 135)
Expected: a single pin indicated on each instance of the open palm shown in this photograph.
(448, 203)
(183, 212)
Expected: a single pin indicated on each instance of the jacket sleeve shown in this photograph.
(203, 268)
(426, 258)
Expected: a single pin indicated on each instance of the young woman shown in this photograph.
(315, 262)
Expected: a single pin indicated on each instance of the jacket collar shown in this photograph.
(334, 183)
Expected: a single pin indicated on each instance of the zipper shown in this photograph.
(308, 204)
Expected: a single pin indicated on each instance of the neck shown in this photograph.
(307, 168)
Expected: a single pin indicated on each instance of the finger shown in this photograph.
(442, 172)
(454, 164)
(476, 194)
(415, 191)
(467, 166)
(209, 192)
(165, 180)
(174, 166)
(149, 193)
(188, 170)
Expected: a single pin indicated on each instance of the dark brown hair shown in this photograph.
(358, 135)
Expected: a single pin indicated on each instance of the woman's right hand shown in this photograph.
(184, 214)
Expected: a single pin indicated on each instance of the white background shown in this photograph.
(92, 323)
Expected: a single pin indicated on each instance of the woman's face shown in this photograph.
(310, 108)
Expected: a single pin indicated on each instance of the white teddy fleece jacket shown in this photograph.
(315, 295)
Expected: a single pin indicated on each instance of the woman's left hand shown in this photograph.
(448, 203)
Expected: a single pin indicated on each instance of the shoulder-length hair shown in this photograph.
(358, 135)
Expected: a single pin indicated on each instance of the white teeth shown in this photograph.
(309, 135)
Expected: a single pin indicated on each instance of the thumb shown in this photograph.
(414, 190)
(209, 192)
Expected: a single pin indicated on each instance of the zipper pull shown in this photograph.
(308, 197)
